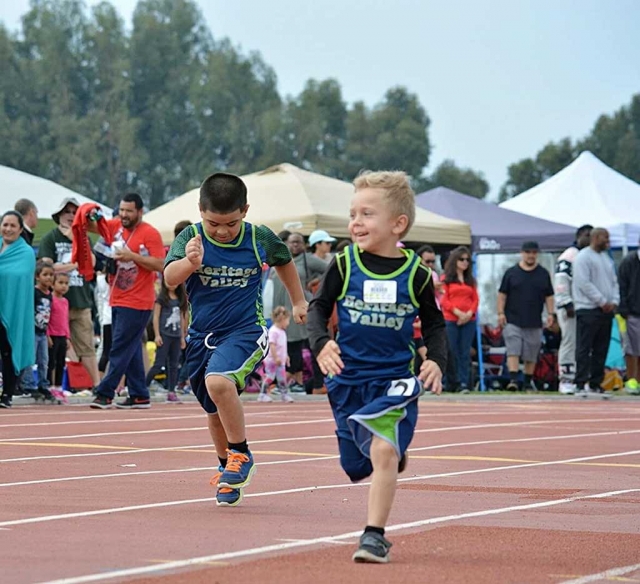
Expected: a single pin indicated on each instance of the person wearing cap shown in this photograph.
(320, 243)
(596, 297)
(525, 289)
(56, 245)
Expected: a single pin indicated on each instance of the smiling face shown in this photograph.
(373, 226)
(223, 227)
(10, 228)
(129, 215)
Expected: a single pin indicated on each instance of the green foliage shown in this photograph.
(614, 139)
(447, 174)
(103, 110)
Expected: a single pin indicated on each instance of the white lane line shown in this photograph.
(323, 437)
(613, 573)
(196, 416)
(536, 439)
(152, 472)
(330, 538)
(327, 420)
(159, 431)
(45, 518)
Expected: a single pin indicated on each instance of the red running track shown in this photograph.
(496, 491)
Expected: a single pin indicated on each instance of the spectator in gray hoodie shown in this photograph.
(630, 309)
(596, 296)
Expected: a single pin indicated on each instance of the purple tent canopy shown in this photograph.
(494, 229)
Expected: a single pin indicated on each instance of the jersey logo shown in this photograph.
(402, 387)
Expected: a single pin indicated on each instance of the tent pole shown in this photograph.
(478, 331)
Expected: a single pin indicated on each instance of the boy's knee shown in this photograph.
(217, 385)
(357, 470)
(383, 452)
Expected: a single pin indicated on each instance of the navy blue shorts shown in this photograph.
(233, 356)
(384, 408)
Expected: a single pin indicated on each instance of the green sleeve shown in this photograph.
(47, 247)
(177, 249)
(278, 253)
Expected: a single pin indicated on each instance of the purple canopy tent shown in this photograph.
(495, 230)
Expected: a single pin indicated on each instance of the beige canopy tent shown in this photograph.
(287, 197)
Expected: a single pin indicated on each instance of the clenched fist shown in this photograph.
(195, 251)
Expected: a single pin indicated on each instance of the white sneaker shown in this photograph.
(567, 388)
(286, 398)
(264, 397)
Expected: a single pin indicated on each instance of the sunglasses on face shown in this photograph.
(463, 259)
(428, 261)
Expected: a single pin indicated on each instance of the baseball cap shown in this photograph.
(320, 235)
(66, 201)
(530, 246)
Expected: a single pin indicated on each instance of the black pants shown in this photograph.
(57, 356)
(167, 355)
(106, 348)
(592, 345)
(8, 372)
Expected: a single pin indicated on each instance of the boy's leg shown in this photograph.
(42, 359)
(383, 482)
(224, 394)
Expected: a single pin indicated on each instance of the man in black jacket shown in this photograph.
(629, 279)
(29, 212)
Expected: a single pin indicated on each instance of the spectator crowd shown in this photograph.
(55, 302)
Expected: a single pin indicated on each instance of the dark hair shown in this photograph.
(426, 248)
(163, 297)
(15, 214)
(451, 267)
(133, 198)
(56, 275)
(284, 235)
(23, 206)
(582, 229)
(180, 226)
(223, 193)
(41, 265)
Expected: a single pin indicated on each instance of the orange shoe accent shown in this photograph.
(320, 391)
(215, 479)
(235, 460)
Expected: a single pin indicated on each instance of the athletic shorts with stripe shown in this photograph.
(387, 409)
(233, 356)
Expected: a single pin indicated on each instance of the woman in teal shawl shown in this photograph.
(17, 333)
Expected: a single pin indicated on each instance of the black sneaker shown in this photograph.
(373, 549)
(512, 386)
(403, 463)
(134, 403)
(102, 402)
(5, 402)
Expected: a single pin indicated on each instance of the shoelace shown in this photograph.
(235, 460)
(215, 479)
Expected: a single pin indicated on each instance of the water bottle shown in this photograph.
(143, 250)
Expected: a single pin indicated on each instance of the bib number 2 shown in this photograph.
(402, 387)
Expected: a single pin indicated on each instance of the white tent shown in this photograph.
(586, 192)
(287, 197)
(47, 195)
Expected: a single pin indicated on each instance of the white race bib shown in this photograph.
(380, 291)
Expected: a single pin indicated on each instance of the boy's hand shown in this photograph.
(195, 251)
(329, 359)
(300, 312)
(49, 341)
(158, 341)
(431, 376)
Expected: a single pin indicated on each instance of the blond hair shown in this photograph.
(398, 194)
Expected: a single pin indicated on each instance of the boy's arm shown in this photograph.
(288, 274)
(184, 257)
(156, 319)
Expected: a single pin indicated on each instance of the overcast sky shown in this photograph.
(498, 78)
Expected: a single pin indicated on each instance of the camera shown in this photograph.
(111, 266)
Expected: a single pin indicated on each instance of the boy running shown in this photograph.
(379, 290)
(221, 259)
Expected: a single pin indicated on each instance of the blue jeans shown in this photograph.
(460, 340)
(125, 358)
(42, 360)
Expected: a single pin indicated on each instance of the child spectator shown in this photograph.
(169, 329)
(42, 303)
(379, 289)
(58, 332)
(276, 361)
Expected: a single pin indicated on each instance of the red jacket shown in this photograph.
(460, 296)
